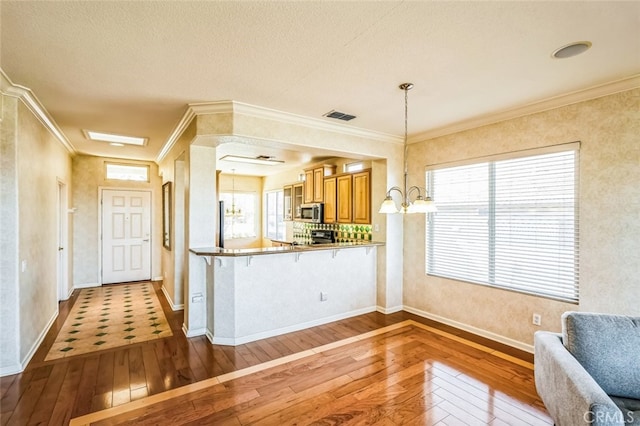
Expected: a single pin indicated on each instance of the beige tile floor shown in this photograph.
(110, 316)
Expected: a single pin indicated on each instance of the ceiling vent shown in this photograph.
(339, 115)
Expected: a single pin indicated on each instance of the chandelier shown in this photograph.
(421, 204)
(233, 211)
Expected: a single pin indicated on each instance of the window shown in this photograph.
(353, 167)
(275, 217)
(127, 172)
(509, 223)
(239, 214)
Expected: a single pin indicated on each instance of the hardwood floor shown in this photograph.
(455, 378)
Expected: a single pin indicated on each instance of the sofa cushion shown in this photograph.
(608, 347)
(630, 409)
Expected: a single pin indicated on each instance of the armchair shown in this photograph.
(590, 373)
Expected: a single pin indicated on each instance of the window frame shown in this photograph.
(280, 234)
(107, 164)
(254, 222)
(561, 291)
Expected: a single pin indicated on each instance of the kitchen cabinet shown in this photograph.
(347, 198)
(330, 199)
(344, 203)
(314, 182)
(362, 197)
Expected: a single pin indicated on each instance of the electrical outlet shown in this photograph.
(537, 319)
(323, 296)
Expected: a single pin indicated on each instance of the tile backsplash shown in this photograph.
(343, 232)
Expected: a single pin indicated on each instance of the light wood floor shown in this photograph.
(407, 375)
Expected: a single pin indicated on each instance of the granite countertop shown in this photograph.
(217, 251)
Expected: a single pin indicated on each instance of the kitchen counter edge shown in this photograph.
(217, 251)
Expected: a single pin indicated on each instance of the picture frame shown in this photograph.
(166, 215)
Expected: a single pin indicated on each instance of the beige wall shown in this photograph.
(33, 164)
(609, 131)
(88, 178)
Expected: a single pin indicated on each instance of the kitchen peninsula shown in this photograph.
(257, 293)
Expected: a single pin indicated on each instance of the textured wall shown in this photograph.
(88, 177)
(609, 131)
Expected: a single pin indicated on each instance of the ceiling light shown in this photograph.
(421, 204)
(262, 159)
(113, 138)
(572, 49)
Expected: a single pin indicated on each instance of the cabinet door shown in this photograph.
(345, 212)
(318, 185)
(308, 186)
(330, 199)
(362, 197)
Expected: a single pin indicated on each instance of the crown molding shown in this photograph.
(233, 107)
(35, 106)
(175, 134)
(570, 98)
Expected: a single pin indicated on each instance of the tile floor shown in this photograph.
(110, 316)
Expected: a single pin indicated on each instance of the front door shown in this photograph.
(126, 230)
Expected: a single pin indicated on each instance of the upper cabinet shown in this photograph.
(314, 182)
(362, 197)
(347, 198)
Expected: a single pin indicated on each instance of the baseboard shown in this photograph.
(85, 285)
(38, 341)
(157, 279)
(230, 341)
(193, 333)
(388, 311)
(173, 305)
(477, 331)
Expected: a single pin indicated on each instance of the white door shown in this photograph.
(63, 282)
(126, 230)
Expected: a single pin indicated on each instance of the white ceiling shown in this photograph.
(133, 67)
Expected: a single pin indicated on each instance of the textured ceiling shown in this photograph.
(133, 67)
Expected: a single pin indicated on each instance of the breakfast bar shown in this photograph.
(253, 294)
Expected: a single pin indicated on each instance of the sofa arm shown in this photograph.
(570, 394)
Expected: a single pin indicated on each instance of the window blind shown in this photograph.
(509, 223)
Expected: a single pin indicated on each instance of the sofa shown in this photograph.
(590, 373)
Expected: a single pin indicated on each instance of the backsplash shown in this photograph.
(343, 232)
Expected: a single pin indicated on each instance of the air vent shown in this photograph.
(339, 115)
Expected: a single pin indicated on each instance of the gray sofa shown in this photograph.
(590, 374)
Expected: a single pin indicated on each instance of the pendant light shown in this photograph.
(421, 204)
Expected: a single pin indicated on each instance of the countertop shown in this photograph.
(217, 251)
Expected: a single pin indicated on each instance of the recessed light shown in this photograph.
(571, 49)
(114, 139)
(116, 144)
(262, 159)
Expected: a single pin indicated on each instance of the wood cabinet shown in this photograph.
(308, 186)
(330, 199)
(314, 182)
(362, 197)
(344, 203)
(347, 198)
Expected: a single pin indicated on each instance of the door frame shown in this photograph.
(101, 189)
(62, 258)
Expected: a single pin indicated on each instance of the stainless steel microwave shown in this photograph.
(313, 213)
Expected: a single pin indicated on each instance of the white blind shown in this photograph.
(508, 223)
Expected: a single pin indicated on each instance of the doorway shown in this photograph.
(62, 263)
(126, 235)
